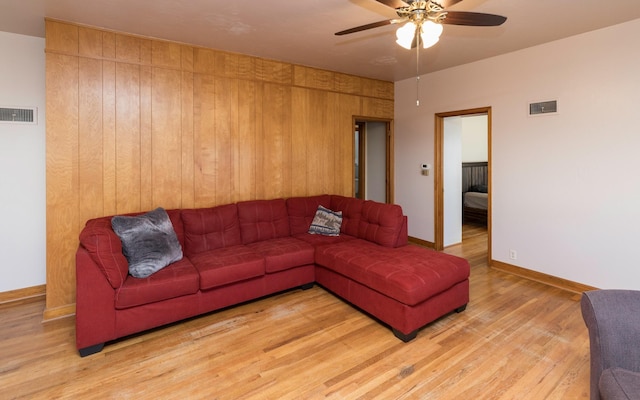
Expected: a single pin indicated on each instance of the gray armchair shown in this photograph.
(613, 320)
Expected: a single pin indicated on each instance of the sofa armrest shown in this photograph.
(613, 320)
(95, 303)
(403, 236)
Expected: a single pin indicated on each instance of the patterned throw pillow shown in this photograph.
(326, 222)
(149, 241)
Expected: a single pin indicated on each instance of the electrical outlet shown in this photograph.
(513, 254)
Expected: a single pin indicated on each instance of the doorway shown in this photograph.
(373, 144)
(440, 169)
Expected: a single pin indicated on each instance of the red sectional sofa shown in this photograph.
(239, 252)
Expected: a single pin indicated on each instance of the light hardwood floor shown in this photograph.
(517, 339)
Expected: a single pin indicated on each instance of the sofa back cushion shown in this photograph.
(302, 210)
(178, 227)
(381, 223)
(263, 220)
(105, 249)
(211, 228)
(351, 211)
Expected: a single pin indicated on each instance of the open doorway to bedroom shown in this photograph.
(463, 169)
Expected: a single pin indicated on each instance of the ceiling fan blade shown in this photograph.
(472, 19)
(365, 27)
(394, 3)
(446, 3)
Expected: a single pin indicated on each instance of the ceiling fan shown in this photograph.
(424, 22)
(425, 19)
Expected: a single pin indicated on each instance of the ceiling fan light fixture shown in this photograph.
(430, 33)
(405, 35)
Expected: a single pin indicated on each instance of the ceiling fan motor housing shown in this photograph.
(419, 11)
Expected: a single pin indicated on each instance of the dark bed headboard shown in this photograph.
(474, 173)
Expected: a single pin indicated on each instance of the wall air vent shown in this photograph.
(19, 115)
(543, 107)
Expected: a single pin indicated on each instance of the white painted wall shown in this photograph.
(22, 165)
(475, 138)
(376, 173)
(452, 160)
(566, 191)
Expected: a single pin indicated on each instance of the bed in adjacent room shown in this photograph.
(475, 196)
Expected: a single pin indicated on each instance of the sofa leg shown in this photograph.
(461, 308)
(405, 337)
(307, 286)
(87, 351)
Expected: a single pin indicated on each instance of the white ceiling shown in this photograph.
(302, 31)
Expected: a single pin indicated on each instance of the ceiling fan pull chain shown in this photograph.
(418, 67)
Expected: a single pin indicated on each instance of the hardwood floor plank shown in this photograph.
(517, 339)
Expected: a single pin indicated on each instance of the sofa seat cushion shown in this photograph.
(408, 274)
(619, 384)
(320, 240)
(284, 253)
(227, 265)
(175, 280)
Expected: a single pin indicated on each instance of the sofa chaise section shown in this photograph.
(405, 286)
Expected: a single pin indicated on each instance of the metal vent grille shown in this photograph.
(543, 107)
(18, 115)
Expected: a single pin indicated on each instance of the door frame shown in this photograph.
(389, 174)
(360, 188)
(439, 174)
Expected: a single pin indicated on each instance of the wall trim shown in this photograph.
(550, 280)
(23, 294)
(51, 314)
(421, 242)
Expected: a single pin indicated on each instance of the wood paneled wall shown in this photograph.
(135, 123)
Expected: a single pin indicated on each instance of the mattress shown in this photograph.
(476, 200)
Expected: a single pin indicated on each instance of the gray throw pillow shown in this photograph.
(326, 222)
(148, 241)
